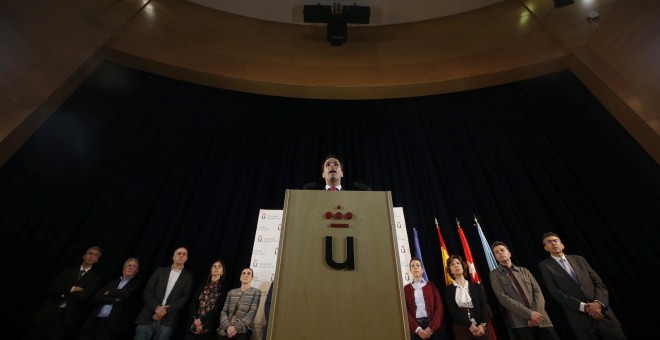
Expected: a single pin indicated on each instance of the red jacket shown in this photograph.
(434, 308)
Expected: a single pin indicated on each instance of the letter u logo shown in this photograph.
(350, 255)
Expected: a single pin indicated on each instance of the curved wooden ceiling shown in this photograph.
(383, 12)
(493, 45)
(50, 47)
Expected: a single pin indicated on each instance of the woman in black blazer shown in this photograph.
(467, 303)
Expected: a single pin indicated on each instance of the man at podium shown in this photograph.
(332, 173)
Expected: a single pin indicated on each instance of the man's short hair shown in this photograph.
(132, 259)
(548, 235)
(328, 156)
(97, 248)
(182, 247)
(498, 243)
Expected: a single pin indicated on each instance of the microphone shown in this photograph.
(361, 186)
(308, 186)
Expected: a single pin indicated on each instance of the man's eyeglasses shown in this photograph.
(553, 241)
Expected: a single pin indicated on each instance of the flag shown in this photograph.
(444, 253)
(418, 254)
(492, 263)
(474, 276)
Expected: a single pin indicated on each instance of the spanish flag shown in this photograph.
(445, 254)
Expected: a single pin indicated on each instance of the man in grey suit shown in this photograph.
(166, 293)
(520, 295)
(577, 287)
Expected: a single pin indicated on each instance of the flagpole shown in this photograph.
(418, 253)
(490, 258)
(474, 275)
(444, 254)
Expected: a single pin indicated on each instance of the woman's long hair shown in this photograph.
(208, 279)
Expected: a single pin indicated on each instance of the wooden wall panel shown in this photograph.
(48, 47)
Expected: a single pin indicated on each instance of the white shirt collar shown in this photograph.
(419, 284)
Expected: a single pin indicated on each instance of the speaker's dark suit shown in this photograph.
(124, 301)
(154, 292)
(570, 294)
(62, 323)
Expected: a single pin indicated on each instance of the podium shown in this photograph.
(338, 274)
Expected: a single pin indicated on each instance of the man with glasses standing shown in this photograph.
(572, 282)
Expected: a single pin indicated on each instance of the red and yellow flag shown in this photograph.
(444, 253)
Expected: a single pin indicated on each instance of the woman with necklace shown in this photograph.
(467, 303)
(239, 309)
(206, 303)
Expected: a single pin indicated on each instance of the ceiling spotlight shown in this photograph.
(337, 18)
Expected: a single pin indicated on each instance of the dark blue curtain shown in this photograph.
(140, 164)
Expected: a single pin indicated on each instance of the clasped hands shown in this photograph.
(594, 309)
(198, 326)
(479, 330)
(231, 331)
(425, 333)
(535, 319)
(160, 312)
